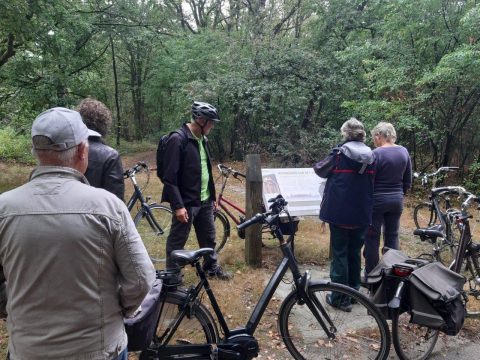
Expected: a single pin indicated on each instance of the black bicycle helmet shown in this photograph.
(204, 110)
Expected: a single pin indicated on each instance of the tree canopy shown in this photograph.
(284, 73)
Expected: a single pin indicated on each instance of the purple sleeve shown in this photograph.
(407, 175)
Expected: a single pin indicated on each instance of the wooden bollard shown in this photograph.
(253, 205)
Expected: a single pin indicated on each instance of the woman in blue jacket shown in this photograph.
(347, 205)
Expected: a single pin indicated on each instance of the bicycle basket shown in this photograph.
(289, 227)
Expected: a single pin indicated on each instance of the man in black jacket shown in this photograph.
(189, 188)
(104, 164)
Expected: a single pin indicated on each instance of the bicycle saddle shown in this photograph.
(185, 257)
(431, 233)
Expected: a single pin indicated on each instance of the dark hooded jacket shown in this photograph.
(348, 196)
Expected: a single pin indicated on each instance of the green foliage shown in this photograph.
(14, 146)
(284, 74)
(472, 182)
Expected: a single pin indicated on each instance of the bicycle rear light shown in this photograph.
(402, 270)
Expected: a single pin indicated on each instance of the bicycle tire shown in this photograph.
(424, 215)
(154, 241)
(222, 230)
(412, 341)
(197, 326)
(360, 334)
(471, 270)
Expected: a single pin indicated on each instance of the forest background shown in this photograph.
(285, 74)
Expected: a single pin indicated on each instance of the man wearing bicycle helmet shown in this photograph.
(189, 187)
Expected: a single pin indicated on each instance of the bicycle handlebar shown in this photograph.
(469, 199)
(278, 206)
(137, 168)
(254, 220)
(461, 191)
(435, 173)
(226, 171)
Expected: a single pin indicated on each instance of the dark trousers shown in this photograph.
(387, 209)
(346, 251)
(201, 218)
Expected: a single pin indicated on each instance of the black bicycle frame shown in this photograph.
(463, 245)
(138, 196)
(301, 285)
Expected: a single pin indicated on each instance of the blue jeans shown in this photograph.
(123, 355)
(346, 251)
(387, 209)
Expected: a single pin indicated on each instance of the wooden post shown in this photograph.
(253, 205)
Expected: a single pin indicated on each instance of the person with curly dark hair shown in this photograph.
(104, 163)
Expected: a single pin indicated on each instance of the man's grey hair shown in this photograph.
(64, 158)
(353, 130)
(386, 131)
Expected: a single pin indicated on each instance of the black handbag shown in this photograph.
(140, 328)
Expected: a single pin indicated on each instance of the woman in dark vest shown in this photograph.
(347, 205)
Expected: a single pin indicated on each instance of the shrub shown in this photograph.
(472, 182)
(15, 147)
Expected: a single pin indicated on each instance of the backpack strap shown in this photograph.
(184, 137)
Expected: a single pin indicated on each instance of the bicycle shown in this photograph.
(444, 249)
(425, 214)
(466, 252)
(152, 220)
(309, 327)
(225, 209)
(222, 226)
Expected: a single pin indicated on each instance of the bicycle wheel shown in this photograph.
(222, 230)
(424, 215)
(360, 334)
(153, 239)
(412, 341)
(471, 270)
(197, 326)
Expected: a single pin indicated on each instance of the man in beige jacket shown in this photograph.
(73, 262)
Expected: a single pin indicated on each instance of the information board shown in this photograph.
(301, 187)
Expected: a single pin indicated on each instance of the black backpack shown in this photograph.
(161, 150)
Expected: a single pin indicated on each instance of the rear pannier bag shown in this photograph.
(381, 285)
(435, 294)
(140, 328)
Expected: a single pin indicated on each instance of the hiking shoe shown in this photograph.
(344, 307)
(217, 272)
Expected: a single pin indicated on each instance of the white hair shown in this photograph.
(64, 158)
(353, 130)
(386, 131)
